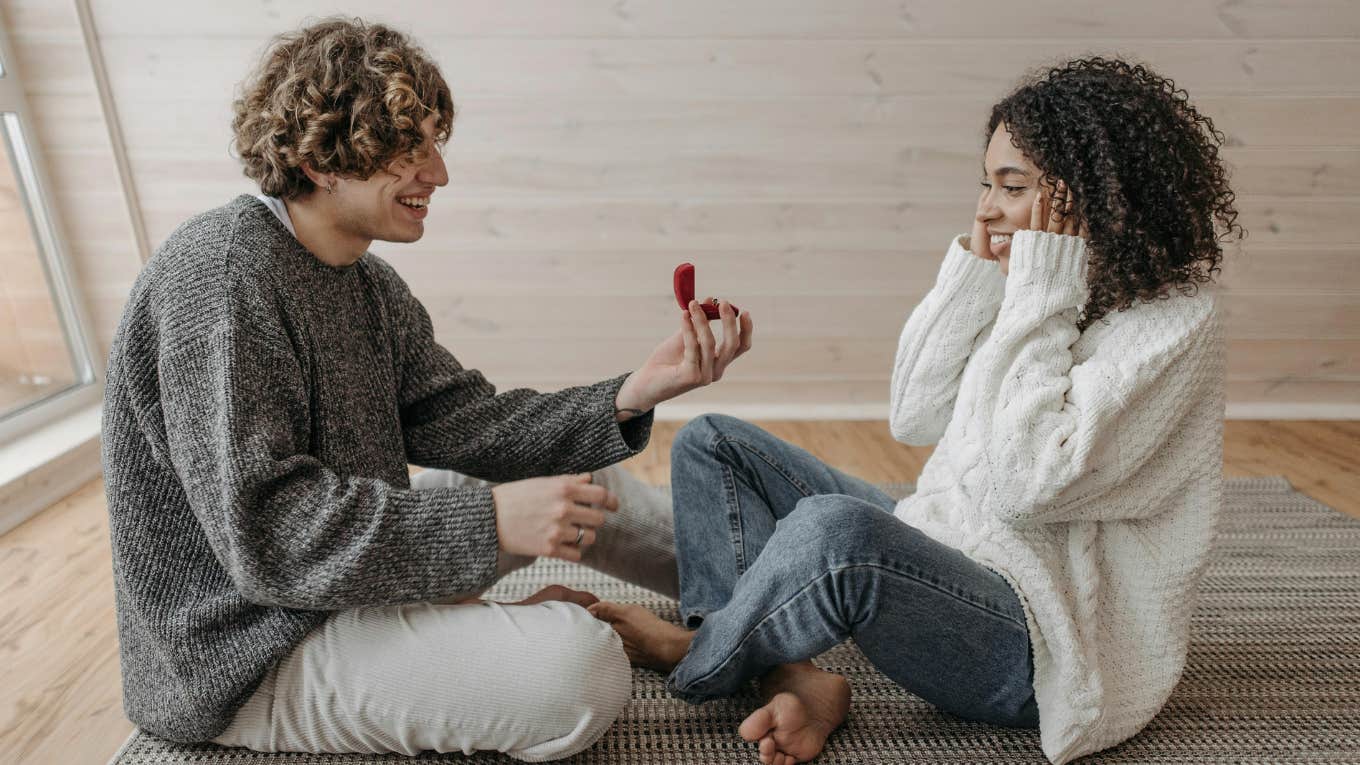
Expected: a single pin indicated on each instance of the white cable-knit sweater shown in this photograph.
(1084, 467)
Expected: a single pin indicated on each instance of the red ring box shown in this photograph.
(684, 292)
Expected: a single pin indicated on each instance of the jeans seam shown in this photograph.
(908, 574)
(768, 459)
(734, 529)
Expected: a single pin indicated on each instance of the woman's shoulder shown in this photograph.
(1149, 329)
(1185, 307)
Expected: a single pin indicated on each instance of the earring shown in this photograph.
(330, 189)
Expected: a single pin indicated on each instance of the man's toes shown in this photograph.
(758, 725)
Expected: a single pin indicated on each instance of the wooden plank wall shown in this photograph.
(813, 158)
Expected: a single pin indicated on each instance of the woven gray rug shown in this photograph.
(1273, 672)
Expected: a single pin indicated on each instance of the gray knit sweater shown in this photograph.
(260, 413)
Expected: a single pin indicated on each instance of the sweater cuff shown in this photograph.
(961, 266)
(464, 525)
(1049, 267)
(627, 438)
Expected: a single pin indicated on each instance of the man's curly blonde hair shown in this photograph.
(341, 95)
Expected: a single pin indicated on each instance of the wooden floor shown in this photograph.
(59, 682)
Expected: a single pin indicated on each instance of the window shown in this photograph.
(46, 366)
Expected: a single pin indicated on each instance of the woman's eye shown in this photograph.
(1013, 190)
(986, 185)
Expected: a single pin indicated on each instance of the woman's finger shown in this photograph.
(1038, 215)
(980, 241)
(1055, 210)
(1062, 211)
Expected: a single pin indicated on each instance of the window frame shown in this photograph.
(44, 218)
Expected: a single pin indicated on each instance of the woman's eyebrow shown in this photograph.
(1005, 171)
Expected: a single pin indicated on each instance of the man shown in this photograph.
(280, 585)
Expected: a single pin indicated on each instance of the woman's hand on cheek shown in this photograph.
(1055, 215)
(980, 242)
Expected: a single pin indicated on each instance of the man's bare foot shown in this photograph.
(649, 640)
(805, 705)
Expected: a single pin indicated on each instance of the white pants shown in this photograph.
(536, 682)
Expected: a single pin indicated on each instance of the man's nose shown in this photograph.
(434, 170)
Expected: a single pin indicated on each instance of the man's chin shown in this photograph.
(402, 235)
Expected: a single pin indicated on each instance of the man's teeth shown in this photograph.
(414, 201)
(1000, 238)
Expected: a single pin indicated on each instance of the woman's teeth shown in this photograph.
(1001, 238)
(416, 202)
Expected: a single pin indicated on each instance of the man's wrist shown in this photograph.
(628, 404)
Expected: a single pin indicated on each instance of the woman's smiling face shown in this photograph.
(1010, 182)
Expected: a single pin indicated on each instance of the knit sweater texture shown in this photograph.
(260, 413)
(1084, 467)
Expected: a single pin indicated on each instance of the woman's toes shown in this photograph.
(757, 727)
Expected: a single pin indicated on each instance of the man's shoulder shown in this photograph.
(231, 240)
(216, 257)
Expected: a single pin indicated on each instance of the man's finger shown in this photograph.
(691, 340)
(731, 332)
(705, 340)
(587, 538)
(582, 515)
(747, 327)
(594, 495)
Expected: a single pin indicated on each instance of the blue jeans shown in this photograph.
(782, 557)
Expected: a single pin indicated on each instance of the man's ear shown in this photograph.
(320, 180)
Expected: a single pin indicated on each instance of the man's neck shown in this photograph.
(314, 221)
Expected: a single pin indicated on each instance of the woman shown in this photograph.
(1071, 370)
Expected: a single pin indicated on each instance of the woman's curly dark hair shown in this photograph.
(345, 97)
(1143, 167)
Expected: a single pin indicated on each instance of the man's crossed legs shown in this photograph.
(538, 682)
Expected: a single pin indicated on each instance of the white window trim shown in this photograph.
(48, 229)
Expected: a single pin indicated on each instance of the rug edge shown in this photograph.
(127, 742)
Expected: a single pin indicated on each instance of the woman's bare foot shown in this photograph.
(648, 640)
(805, 705)
(559, 592)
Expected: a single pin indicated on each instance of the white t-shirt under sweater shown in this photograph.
(1084, 467)
(280, 211)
